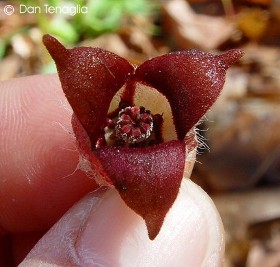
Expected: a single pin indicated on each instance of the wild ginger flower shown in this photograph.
(135, 125)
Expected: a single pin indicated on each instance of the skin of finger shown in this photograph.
(38, 159)
(113, 235)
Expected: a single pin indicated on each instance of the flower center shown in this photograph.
(134, 124)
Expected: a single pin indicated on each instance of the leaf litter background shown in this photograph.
(239, 164)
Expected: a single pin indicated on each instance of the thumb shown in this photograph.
(101, 230)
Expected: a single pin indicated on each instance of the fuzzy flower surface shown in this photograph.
(135, 125)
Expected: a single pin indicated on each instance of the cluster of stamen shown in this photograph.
(133, 125)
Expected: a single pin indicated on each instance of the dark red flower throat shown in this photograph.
(126, 146)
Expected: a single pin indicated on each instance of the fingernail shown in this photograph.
(108, 226)
(114, 235)
(100, 230)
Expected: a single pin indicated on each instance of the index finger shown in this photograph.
(39, 179)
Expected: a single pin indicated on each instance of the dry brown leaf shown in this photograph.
(253, 22)
(190, 30)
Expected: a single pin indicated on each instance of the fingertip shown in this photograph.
(210, 221)
(111, 234)
(191, 235)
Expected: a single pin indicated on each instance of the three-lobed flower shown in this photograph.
(135, 125)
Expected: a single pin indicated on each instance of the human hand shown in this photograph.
(39, 182)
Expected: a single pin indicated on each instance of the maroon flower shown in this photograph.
(126, 144)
